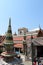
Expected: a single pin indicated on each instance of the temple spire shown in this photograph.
(39, 27)
(9, 27)
(9, 54)
(9, 38)
(10, 21)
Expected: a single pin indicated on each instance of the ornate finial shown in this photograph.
(10, 21)
(39, 26)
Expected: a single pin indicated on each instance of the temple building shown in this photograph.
(38, 44)
(18, 39)
(8, 52)
(18, 42)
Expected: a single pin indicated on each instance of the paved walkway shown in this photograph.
(27, 63)
(16, 61)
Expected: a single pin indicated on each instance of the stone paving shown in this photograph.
(27, 63)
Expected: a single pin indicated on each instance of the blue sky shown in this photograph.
(23, 13)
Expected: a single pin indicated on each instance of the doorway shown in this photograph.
(39, 51)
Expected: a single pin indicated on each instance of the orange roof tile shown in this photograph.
(18, 45)
(18, 38)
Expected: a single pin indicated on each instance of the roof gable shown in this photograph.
(40, 33)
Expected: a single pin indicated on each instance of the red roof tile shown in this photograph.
(18, 38)
(18, 45)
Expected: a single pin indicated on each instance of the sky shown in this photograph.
(23, 13)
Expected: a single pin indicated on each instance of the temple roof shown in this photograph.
(40, 33)
(18, 45)
(38, 41)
